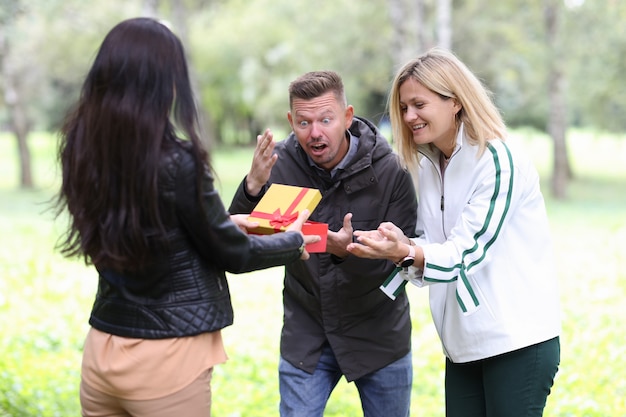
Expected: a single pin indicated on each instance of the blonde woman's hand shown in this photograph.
(386, 242)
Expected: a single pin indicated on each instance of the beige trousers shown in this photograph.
(192, 401)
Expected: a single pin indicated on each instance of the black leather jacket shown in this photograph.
(184, 291)
(340, 303)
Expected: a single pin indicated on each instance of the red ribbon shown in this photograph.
(278, 220)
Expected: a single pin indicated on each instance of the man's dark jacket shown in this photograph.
(184, 291)
(339, 301)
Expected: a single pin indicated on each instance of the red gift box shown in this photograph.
(316, 228)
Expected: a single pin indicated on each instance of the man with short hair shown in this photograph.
(336, 319)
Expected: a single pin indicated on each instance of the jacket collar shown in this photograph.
(433, 153)
(371, 146)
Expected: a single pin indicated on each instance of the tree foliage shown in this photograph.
(248, 53)
(245, 53)
(597, 45)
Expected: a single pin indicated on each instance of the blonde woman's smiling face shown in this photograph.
(430, 117)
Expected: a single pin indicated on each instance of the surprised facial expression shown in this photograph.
(320, 126)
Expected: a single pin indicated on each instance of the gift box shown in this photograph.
(316, 228)
(281, 205)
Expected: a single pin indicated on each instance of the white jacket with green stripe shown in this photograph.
(489, 262)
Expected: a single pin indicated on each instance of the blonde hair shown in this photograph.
(444, 74)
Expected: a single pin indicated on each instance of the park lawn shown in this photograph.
(45, 299)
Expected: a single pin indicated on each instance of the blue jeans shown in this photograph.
(385, 392)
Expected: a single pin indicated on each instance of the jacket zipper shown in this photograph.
(443, 204)
(442, 201)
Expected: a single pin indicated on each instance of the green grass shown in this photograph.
(45, 299)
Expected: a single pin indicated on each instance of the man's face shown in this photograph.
(320, 126)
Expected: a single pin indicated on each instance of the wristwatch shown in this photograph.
(407, 260)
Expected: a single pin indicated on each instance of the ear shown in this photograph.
(290, 119)
(457, 106)
(349, 116)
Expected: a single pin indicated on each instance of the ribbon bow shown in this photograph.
(278, 220)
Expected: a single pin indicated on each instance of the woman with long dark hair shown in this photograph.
(143, 210)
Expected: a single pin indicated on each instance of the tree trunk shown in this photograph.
(404, 43)
(180, 17)
(18, 119)
(556, 130)
(150, 8)
(444, 25)
(557, 123)
(420, 19)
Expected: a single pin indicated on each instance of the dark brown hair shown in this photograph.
(316, 83)
(111, 144)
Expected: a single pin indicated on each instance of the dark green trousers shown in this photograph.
(515, 384)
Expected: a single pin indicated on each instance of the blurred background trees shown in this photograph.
(551, 64)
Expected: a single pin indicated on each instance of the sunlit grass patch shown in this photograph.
(45, 300)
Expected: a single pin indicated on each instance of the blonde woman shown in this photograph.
(485, 249)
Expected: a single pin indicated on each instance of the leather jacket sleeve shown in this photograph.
(217, 239)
